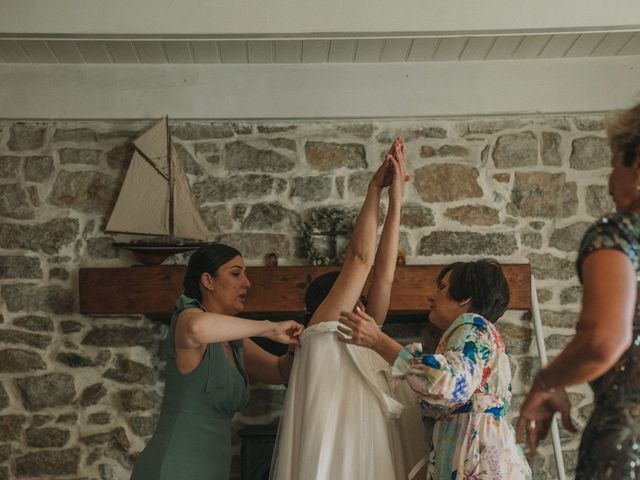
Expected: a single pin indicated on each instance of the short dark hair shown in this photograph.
(207, 258)
(317, 291)
(483, 282)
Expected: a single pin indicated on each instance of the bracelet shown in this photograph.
(542, 384)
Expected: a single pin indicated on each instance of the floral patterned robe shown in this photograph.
(466, 386)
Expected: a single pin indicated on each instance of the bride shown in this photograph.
(340, 419)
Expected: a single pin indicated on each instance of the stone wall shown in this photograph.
(79, 395)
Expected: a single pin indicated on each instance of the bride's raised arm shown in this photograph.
(361, 249)
(384, 266)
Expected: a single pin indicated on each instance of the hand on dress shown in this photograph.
(537, 412)
(287, 332)
(362, 328)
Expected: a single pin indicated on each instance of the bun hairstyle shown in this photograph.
(206, 259)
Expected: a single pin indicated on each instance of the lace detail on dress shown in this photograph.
(322, 327)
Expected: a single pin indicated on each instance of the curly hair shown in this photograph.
(623, 131)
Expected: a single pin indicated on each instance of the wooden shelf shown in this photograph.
(152, 289)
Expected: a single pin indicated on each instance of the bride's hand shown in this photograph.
(287, 332)
(400, 176)
(362, 328)
(385, 173)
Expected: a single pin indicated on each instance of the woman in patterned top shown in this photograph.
(466, 383)
(606, 348)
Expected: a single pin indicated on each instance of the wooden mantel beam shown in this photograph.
(152, 290)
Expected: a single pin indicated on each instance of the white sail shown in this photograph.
(142, 206)
(153, 146)
(187, 222)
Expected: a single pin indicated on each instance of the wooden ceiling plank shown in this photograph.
(315, 51)
(477, 48)
(260, 51)
(206, 51)
(11, 52)
(611, 44)
(38, 51)
(531, 46)
(177, 51)
(93, 51)
(341, 51)
(423, 49)
(287, 51)
(504, 48)
(450, 49)
(231, 51)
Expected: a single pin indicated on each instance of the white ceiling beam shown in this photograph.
(305, 18)
(317, 91)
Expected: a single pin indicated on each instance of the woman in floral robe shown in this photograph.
(466, 383)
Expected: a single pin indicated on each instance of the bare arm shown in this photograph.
(603, 334)
(604, 330)
(359, 256)
(384, 266)
(387, 348)
(195, 328)
(264, 367)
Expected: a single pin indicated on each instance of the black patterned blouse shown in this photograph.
(610, 447)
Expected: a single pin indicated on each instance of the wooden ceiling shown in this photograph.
(328, 50)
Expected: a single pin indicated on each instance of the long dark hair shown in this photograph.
(205, 259)
(483, 282)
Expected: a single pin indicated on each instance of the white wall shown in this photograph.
(318, 91)
(290, 17)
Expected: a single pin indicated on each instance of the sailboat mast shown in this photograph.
(171, 175)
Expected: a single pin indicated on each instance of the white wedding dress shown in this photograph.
(340, 420)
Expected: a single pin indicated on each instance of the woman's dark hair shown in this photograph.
(317, 291)
(483, 282)
(205, 259)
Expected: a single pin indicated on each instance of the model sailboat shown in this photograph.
(155, 199)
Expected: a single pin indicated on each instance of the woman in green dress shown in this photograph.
(210, 360)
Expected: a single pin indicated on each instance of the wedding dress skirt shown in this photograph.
(340, 420)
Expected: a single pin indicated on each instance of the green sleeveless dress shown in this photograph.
(192, 440)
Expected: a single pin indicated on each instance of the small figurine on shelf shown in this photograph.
(271, 259)
(401, 259)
